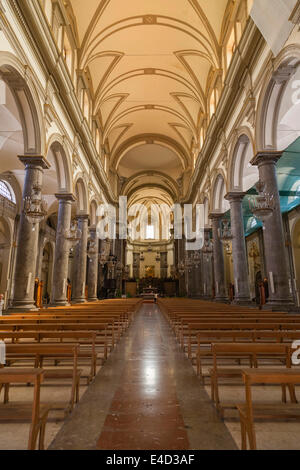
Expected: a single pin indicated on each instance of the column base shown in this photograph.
(59, 303)
(94, 299)
(22, 307)
(78, 301)
(244, 303)
(221, 300)
(207, 297)
(281, 306)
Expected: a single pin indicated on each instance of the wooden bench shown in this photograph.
(36, 413)
(86, 340)
(250, 412)
(98, 328)
(207, 338)
(194, 329)
(252, 352)
(40, 352)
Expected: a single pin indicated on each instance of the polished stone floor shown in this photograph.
(146, 397)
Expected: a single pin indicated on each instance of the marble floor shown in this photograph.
(146, 397)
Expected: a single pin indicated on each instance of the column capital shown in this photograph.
(235, 196)
(216, 215)
(82, 217)
(93, 229)
(266, 158)
(35, 161)
(67, 197)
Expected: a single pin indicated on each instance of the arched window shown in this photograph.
(150, 232)
(7, 192)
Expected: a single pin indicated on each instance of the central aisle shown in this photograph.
(146, 397)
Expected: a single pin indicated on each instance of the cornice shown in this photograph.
(247, 53)
(37, 30)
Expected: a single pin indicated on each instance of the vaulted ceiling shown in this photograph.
(149, 64)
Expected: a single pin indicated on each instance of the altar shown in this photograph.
(149, 294)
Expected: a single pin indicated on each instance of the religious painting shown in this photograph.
(150, 271)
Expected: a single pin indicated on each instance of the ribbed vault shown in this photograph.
(149, 68)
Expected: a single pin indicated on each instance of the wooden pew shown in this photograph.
(36, 413)
(207, 338)
(252, 352)
(40, 352)
(191, 332)
(85, 339)
(98, 328)
(250, 412)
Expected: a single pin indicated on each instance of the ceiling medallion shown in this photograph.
(149, 19)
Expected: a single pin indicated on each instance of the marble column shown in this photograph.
(240, 263)
(207, 263)
(198, 291)
(39, 261)
(274, 242)
(181, 260)
(62, 249)
(219, 266)
(28, 237)
(93, 266)
(189, 274)
(80, 262)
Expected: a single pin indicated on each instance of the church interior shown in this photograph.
(149, 225)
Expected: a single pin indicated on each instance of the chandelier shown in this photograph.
(181, 268)
(119, 269)
(35, 207)
(102, 259)
(225, 232)
(73, 235)
(93, 248)
(228, 249)
(188, 263)
(263, 205)
(208, 246)
(197, 259)
(127, 271)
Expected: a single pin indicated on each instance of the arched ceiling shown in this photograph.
(149, 65)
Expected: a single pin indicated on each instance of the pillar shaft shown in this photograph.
(62, 248)
(93, 267)
(28, 236)
(219, 266)
(240, 264)
(274, 242)
(207, 263)
(80, 262)
(182, 277)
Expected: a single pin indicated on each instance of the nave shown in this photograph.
(150, 393)
(146, 397)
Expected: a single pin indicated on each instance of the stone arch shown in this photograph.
(21, 83)
(218, 203)
(12, 181)
(276, 81)
(58, 153)
(93, 212)
(82, 195)
(6, 239)
(242, 175)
